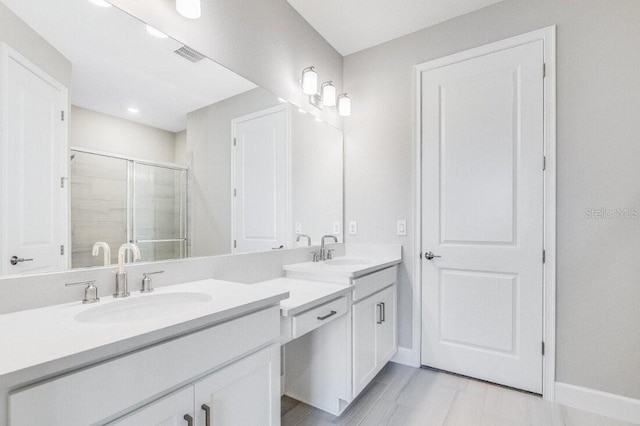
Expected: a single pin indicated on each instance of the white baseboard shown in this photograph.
(603, 403)
(407, 356)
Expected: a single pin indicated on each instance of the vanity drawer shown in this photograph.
(372, 283)
(316, 317)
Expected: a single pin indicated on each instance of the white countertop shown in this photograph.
(41, 342)
(303, 294)
(323, 271)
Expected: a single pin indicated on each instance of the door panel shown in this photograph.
(365, 318)
(260, 202)
(482, 211)
(33, 162)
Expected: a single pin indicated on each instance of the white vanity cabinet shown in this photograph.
(240, 394)
(374, 336)
(233, 367)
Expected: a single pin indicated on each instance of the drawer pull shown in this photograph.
(189, 419)
(384, 312)
(379, 319)
(207, 414)
(332, 313)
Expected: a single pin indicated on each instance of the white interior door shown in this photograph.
(482, 212)
(33, 160)
(260, 178)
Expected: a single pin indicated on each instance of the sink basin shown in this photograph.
(143, 308)
(346, 262)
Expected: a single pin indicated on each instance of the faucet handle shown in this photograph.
(314, 256)
(330, 254)
(90, 292)
(146, 281)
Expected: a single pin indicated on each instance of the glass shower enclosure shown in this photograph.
(115, 199)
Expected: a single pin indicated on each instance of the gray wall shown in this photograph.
(598, 307)
(265, 41)
(20, 37)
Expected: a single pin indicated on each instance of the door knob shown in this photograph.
(15, 260)
(429, 255)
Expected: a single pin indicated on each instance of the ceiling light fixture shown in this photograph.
(189, 8)
(100, 3)
(309, 81)
(156, 33)
(328, 93)
(344, 105)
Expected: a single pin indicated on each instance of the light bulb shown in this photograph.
(328, 94)
(309, 81)
(344, 105)
(189, 8)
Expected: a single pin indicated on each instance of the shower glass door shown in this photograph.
(159, 211)
(115, 199)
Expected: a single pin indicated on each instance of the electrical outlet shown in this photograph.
(353, 228)
(336, 228)
(298, 228)
(401, 227)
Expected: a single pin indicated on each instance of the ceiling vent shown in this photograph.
(190, 54)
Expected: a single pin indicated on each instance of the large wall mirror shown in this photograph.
(160, 146)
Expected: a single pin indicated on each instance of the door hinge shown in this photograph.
(61, 250)
(62, 179)
(234, 244)
(544, 70)
(543, 348)
(544, 163)
(544, 256)
(62, 115)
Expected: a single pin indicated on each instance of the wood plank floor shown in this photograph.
(407, 396)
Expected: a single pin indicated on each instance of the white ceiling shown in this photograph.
(116, 64)
(353, 25)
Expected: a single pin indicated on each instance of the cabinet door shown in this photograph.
(386, 334)
(167, 411)
(365, 319)
(245, 393)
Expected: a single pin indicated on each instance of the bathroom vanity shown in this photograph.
(74, 364)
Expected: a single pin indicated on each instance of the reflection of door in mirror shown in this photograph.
(33, 168)
(115, 199)
(260, 211)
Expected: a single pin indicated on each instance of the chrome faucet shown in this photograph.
(304, 236)
(121, 277)
(323, 252)
(106, 251)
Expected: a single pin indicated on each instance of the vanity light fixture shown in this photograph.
(156, 33)
(309, 81)
(100, 3)
(328, 93)
(344, 105)
(189, 8)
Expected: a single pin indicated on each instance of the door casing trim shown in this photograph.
(548, 36)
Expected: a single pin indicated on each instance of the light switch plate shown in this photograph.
(336, 228)
(353, 228)
(401, 227)
(298, 228)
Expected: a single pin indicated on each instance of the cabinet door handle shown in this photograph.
(330, 314)
(384, 312)
(207, 414)
(379, 319)
(189, 419)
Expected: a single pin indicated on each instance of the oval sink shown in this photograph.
(346, 262)
(143, 308)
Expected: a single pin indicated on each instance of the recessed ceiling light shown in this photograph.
(155, 32)
(133, 110)
(100, 3)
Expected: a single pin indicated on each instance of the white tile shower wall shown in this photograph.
(35, 291)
